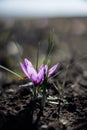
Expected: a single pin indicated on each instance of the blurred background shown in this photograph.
(24, 24)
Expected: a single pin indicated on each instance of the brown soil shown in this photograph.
(19, 111)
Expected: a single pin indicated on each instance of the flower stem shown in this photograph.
(35, 93)
(44, 94)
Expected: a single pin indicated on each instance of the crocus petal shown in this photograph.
(27, 62)
(45, 68)
(32, 73)
(24, 68)
(28, 69)
(41, 67)
(52, 70)
(41, 74)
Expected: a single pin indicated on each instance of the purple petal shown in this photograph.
(40, 67)
(29, 70)
(24, 68)
(32, 73)
(45, 69)
(27, 62)
(41, 74)
(52, 70)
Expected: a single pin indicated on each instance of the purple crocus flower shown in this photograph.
(37, 76)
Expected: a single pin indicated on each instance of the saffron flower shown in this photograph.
(37, 76)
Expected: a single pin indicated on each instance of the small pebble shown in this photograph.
(44, 127)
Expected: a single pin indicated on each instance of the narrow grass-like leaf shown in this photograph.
(37, 58)
(10, 71)
(49, 48)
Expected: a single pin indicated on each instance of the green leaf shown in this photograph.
(49, 48)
